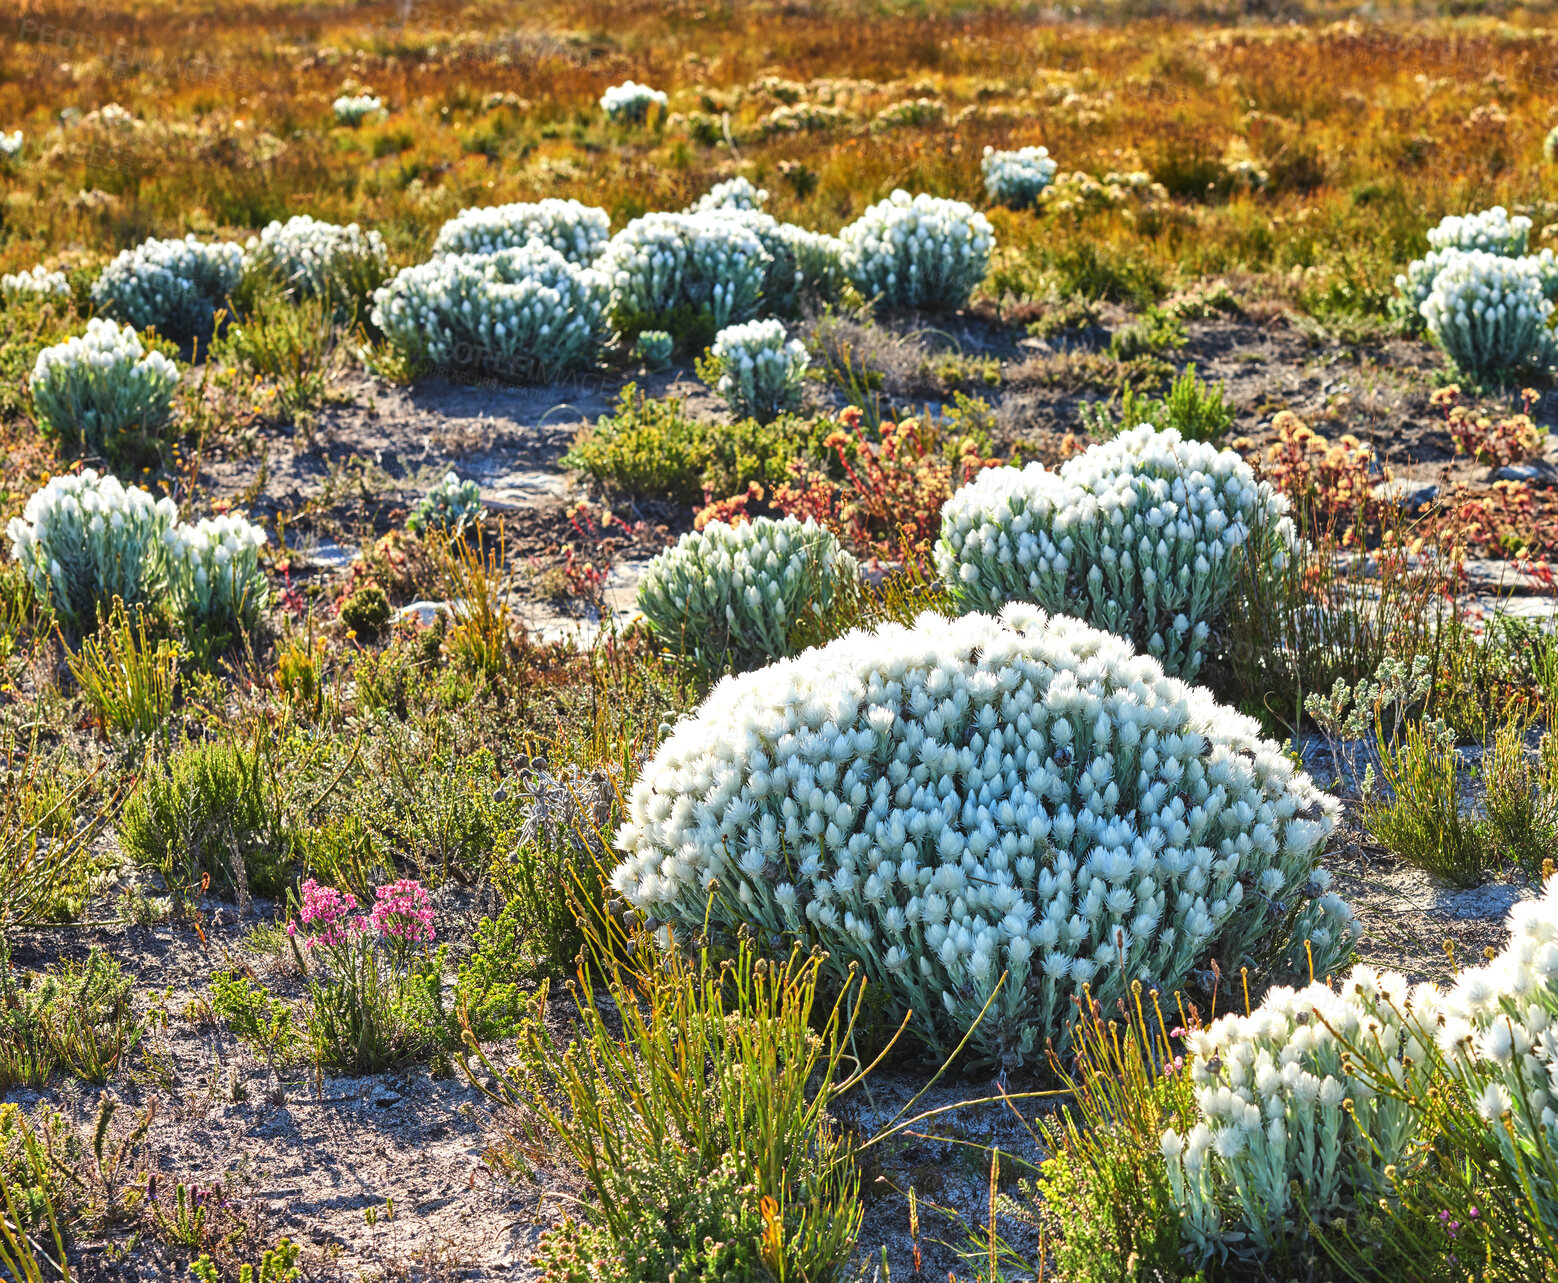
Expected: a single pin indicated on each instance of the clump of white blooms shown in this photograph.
(1489, 313)
(308, 255)
(1142, 535)
(353, 109)
(525, 315)
(709, 262)
(802, 262)
(39, 280)
(1283, 1109)
(653, 348)
(1497, 1030)
(101, 389)
(969, 797)
(1015, 178)
(214, 572)
(733, 193)
(1492, 230)
(448, 507)
(924, 251)
(577, 231)
(758, 369)
(84, 539)
(10, 143)
(629, 102)
(175, 286)
(1550, 146)
(730, 594)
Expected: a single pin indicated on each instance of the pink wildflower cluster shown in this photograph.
(327, 915)
(404, 912)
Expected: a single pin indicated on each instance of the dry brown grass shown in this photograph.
(1368, 131)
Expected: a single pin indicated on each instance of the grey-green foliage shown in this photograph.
(103, 392)
(84, 540)
(733, 593)
(450, 507)
(758, 369)
(1143, 535)
(654, 348)
(174, 286)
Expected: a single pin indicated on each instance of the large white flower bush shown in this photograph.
(524, 314)
(1015, 178)
(84, 539)
(759, 369)
(963, 798)
(448, 507)
(1492, 231)
(710, 262)
(353, 109)
(1286, 1116)
(1316, 1091)
(733, 193)
(214, 572)
(1142, 535)
(629, 102)
(10, 144)
(173, 285)
(924, 251)
(103, 391)
(309, 255)
(1490, 313)
(577, 231)
(1497, 1030)
(39, 280)
(730, 594)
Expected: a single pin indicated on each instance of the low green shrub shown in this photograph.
(74, 1017)
(212, 810)
(744, 1149)
(655, 448)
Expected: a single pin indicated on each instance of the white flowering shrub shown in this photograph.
(963, 798)
(1284, 1116)
(577, 231)
(37, 281)
(1143, 535)
(353, 109)
(653, 348)
(84, 539)
(663, 263)
(449, 507)
(730, 594)
(802, 263)
(10, 144)
(103, 392)
(311, 257)
(733, 193)
(758, 369)
(629, 102)
(923, 252)
(1015, 178)
(1490, 313)
(174, 286)
(214, 573)
(1492, 230)
(524, 314)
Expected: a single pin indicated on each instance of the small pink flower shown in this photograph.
(404, 911)
(326, 913)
